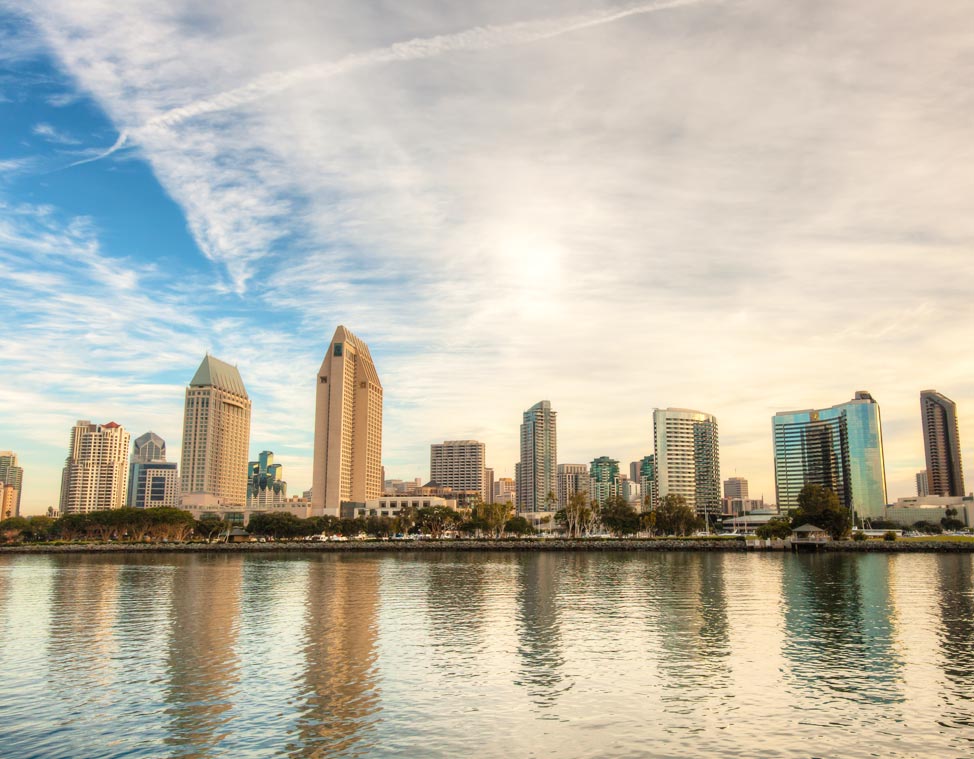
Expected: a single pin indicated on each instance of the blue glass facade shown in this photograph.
(840, 448)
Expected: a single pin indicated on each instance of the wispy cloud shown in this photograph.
(743, 207)
(51, 134)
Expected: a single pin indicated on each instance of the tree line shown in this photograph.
(138, 525)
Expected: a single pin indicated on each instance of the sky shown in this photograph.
(735, 206)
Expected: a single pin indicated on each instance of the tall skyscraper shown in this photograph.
(537, 473)
(687, 458)
(96, 470)
(13, 476)
(348, 426)
(735, 487)
(153, 481)
(603, 480)
(571, 478)
(459, 464)
(265, 482)
(489, 484)
(840, 448)
(8, 501)
(647, 482)
(216, 437)
(941, 443)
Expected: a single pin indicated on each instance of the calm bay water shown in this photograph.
(670, 655)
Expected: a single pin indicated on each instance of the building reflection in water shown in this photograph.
(689, 594)
(538, 631)
(203, 665)
(839, 637)
(456, 588)
(340, 688)
(956, 581)
(82, 639)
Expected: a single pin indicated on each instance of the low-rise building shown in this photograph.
(931, 509)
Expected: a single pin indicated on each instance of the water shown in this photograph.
(568, 655)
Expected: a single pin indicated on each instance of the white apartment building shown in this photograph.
(95, 475)
(687, 458)
(572, 478)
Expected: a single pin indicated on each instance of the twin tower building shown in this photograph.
(347, 465)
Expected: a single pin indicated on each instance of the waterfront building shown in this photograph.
(505, 489)
(537, 475)
(459, 464)
(687, 458)
(8, 501)
(941, 444)
(647, 482)
(152, 480)
(840, 448)
(735, 487)
(923, 484)
(347, 466)
(12, 475)
(571, 479)
(906, 512)
(266, 487)
(95, 472)
(216, 437)
(393, 506)
(604, 480)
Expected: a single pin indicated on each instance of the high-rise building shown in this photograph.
(265, 482)
(459, 464)
(603, 480)
(12, 475)
(505, 489)
(489, 484)
(735, 487)
(216, 437)
(8, 501)
(687, 458)
(347, 465)
(840, 448)
(647, 482)
(941, 443)
(537, 475)
(95, 472)
(634, 471)
(571, 478)
(153, 481)
(923, 484)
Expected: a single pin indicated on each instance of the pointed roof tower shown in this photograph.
(216, 373)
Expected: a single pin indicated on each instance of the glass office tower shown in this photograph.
(840, 448)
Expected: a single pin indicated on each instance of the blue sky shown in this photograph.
(741, 207)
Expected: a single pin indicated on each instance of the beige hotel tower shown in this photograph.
(348, 427)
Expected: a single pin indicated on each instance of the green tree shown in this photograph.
(619, 517)
(820, 506)
(518, 526)
(778, 527)
(674, 517)
(210, 527)
(491, 517)
(14, 529)
(435, 520)
(647, 521)
(577, 514)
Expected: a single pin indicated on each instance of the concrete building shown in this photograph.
(571, 479)
(941, 444)
(392, 506)
(153, 481)
(459, 464)
(537, 475)
(8, 501)
(12, 475)
(216, 438)
(604, 480)
(687, 458)
(489, 484)
(632, 492)
(931, 509)
(647, 482)
(266, 488)
(505, 489)
(347, 466)
(923, 484)
(840, 448)
(95, 475)
(735, 487)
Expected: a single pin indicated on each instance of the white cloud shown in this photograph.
(742, 207)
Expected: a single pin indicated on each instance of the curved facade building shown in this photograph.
(687, 458)
(941, 443)
(840, 448)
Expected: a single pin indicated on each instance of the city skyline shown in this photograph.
(480, 225)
